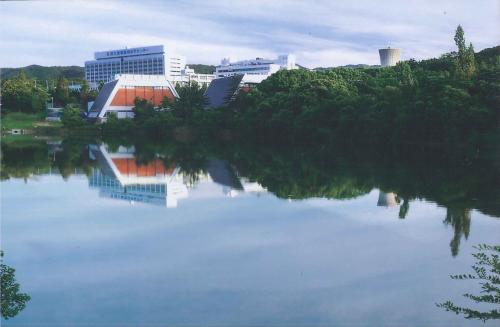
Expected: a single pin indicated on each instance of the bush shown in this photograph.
(72, 117)
(21, 94)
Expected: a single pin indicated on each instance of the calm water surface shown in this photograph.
(109, 235)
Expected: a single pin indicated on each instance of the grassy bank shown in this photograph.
(20, 120)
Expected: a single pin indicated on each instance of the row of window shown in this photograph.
(230, 70)
(106, 71)
(98, 179)
(125, 64)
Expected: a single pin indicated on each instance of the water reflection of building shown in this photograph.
(386, 199)
(119, 176)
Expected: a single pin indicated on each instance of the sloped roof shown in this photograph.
(101, 99)
(221, 90)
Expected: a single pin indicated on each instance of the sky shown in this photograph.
(320, 33)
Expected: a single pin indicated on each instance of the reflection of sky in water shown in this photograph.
(214, 260)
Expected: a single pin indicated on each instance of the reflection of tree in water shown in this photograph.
(487, 272)
(459, 219)
(404, 208)
(12, 302)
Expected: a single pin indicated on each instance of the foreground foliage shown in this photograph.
(487, 272)
(12, 300)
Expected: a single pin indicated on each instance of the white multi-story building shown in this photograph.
(260, 67)
(188, 75)
(150, 60)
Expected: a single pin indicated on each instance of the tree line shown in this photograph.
(452, 99)
(21, 94)
(461, 180)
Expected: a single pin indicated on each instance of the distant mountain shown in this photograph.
(44, 73)
(356, 66)
(71, 72)
(489, 54)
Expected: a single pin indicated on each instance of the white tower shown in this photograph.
(389, 56)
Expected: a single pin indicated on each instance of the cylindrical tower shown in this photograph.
(389, 56)
(386, 199)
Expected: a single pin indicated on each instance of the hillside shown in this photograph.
(354, 66)
(72, 72)
(43, 72)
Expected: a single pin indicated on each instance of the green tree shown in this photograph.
(143, 111)
(12, 301)
(466, 66)
(487, 272)
(61, 92)
(21, 94)
(190, 99)
(405, 74)
(85, 95)
(71, 117)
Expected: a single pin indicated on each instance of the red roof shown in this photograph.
(128, 166)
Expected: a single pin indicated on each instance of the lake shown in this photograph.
(138, 234)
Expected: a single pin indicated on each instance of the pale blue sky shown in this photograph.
(319, 33)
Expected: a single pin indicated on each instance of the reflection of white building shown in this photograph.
(386, 199)
(119, 176)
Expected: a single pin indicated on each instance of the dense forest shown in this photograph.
(454, 99)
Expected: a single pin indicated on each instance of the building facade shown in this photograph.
(260, 67)
(188, 75)
(150, 60)
(118, 95)
(389, 56)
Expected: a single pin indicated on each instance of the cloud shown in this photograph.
(319, 33)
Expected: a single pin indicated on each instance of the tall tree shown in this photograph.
(466, 65)
(61, 93)
(84, 95)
